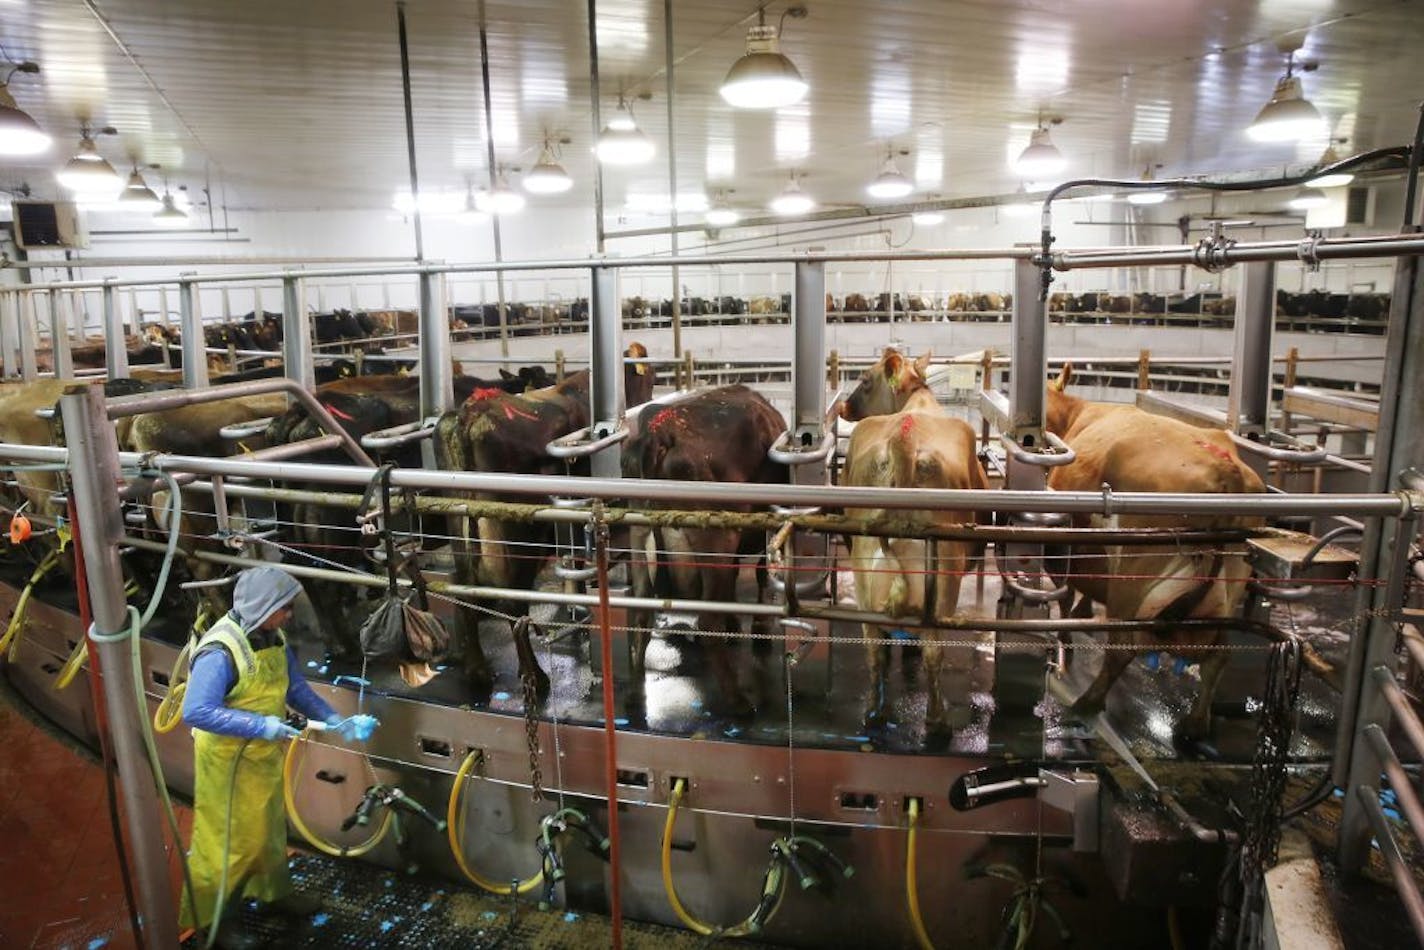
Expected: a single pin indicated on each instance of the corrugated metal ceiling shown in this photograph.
(298, 105)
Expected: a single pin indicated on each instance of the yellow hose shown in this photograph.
(748, 926)
(912, 886)
(289, 795)
(10, 640)
(454, 830)
(1174, 929)
(170, 708)
(77, 658)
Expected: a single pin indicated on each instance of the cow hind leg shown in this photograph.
(877, 658)
(936, 716)
(719, 655)
(1197, 723)
(466, 630)
(635, 703)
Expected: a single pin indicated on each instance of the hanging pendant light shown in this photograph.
(88, 173)
(720, 214)
(1334, 179)
(1288, 116)
(137, 196)
(501, 199)
(621, 142)
(1308, 198)
(764, 78)
(927, 219)
(1040, 159)
(170, 215)
(891, 182)
(792, 199)
(547, 177)
(19, 133)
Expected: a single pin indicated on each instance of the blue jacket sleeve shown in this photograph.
(300, 695)
(203, 704)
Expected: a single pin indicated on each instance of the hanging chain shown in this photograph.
(789, 664)
(531, 735)
(1262, 836)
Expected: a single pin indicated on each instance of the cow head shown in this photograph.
(1060, 408)
(886, 386)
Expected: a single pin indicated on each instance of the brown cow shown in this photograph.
(903, 439)
(495, 431)
(719, 435)
(1131, 450)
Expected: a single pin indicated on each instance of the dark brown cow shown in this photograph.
(1131, 450)
(720, 435)
(903, 439)
(495, 431)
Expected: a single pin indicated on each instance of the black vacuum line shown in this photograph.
(1411, 183)
(410, 134)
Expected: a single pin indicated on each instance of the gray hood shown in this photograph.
(259, 592)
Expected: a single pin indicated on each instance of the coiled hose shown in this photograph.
(752, 924)
(912, 885)
(454, 830)
(10, 640)
(289, 797)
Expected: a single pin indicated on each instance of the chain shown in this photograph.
(790, 664)
(1262, 835)
(531, 735)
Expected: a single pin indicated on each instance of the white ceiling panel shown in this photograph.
(299, 105)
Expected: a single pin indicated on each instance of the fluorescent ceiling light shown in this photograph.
(1040, 159)
(763, 78)
(1289, 116)
(890, 183)
(792, 200)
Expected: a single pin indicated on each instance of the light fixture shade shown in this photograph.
(501, 199)
(547, 177)
(1288, 117)
(19, 133)
(1334, 180)
(720, 216)
(137, 196)
(927, 218)
(1040, 159)
(1308, 198)
(792, 200)
(1146, 197)
(170, 215)
(763, 78)
(624, 146)
(88, 172)
(890, 183)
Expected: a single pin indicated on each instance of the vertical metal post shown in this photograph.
(59, 336)
(1248, 405)
(1384, 552)
(596, 119)
(606, 396)
(9, 333)
(94, 473)
(296, 334)
(25, 335)
(190, 324)
(437, 384)
(116, 344)
(808, 369)
(1028, 364)
(163, 307)
(135, 312)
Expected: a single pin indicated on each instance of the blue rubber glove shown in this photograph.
(357, 728)
(274, 728)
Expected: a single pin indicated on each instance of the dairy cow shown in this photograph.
(903, 439)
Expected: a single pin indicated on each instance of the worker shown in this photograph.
(244, 676)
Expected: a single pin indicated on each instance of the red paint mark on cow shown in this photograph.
(485, 392)
(511, 410)
(906, 424)
(663, 417)
(338, 413)
(1216, 450)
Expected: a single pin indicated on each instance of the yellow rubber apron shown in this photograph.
(257, 837)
